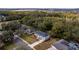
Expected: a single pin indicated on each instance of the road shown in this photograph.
(21, 45)
(29, 45)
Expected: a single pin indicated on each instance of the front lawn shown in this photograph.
(29, 38)
(46, 44)
(10, 47)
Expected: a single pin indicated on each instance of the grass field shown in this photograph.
(29, 38)
(10, 47)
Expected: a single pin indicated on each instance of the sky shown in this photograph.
(39, 4)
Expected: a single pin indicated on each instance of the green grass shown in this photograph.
(29, 38)
(10, 47)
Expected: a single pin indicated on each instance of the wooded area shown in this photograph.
(63, 25)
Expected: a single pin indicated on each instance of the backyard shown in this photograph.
(46, 44)
(29, 38)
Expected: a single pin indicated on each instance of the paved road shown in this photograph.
(25, 42)
(21, 45)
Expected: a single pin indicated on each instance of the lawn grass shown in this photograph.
(10, 47)
(29, 38)
(46, 44)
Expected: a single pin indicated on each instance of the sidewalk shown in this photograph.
(52, 48)
(36, 43)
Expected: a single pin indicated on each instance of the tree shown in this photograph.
(4, 26)
(7, 37)
(71, 31)
(11, 26)
(58, 28)
(45, 25)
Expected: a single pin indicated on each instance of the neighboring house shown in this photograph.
(1, 32)
(23, 27)
(73, 45)
(64, 45)
(41, 35)
(2, 18)
(61, 45)
(1, 43)
(0, 26)
(29, 31)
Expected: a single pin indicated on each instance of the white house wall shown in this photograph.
(40, 37)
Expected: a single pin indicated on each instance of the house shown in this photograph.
(30, 31)
(1, 43)
(2, 17)
(64, 45)
(73, 45)
(1, 32)
(27, 29)
(41, 35)
(0, 26)
(23, 27)
(61, 45)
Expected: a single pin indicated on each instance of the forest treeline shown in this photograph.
(63, 25)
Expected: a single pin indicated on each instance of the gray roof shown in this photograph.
(1, 43)
(0, 32)
(61, 45)
(73, 45)
(64, 45)
(41, 33)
